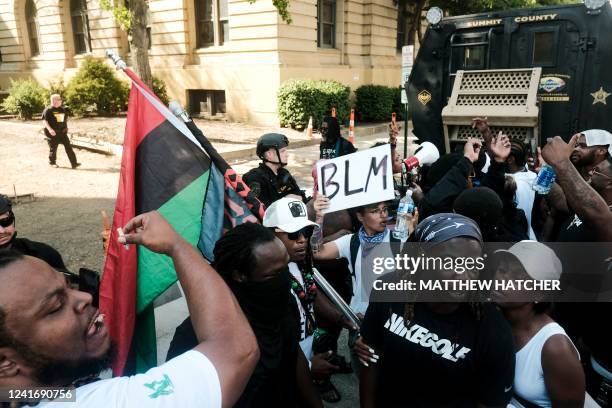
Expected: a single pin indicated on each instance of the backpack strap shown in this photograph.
(354, 247)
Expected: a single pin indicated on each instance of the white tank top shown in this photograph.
(528, 374)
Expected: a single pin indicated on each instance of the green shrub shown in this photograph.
(26, 99)
(300, 99)
(374, 102)
(159, 89)
(96, 89)
(58, 87)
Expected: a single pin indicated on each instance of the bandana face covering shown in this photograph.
(371, 239)
(265, 303)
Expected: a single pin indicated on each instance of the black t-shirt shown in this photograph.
(57, 118)
(39, 250)
(273, 382)
(339, 148)
(583, 320)
(574, 230)
(451, 360)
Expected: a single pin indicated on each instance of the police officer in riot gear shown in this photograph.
(271, 181)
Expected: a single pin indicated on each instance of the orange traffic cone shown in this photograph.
(351, 135)
(309, 128)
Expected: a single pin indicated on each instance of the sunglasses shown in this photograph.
(8, 221)
(306, 232)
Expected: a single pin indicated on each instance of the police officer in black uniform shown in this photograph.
(271, 181)
(9, 240)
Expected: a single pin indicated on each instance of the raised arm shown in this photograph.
(224, 334)
(590, 207)
(327, 250)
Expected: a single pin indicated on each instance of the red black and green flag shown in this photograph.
(164, 168)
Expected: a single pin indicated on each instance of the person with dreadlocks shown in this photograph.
(288, 218)
(271, 180)
(332, 143)
(432, 353)
(253, 263)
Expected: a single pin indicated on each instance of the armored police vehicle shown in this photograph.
(535, 73)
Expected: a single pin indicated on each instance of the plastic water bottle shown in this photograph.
(317, 234)
(404, 215)
(545, 179)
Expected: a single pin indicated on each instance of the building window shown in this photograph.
(148, 27)
(223, 21)
(32, 21)
(326, 27)
(212, 22)
(205, 29)
(544, 48)
(474, 57)
(149, 39)
(205, 102)
(401, 30)
(80, 26)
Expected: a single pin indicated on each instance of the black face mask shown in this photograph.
(265, 303)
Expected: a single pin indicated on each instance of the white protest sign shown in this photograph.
(357, 179)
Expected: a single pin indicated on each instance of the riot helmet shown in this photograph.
(269, 141)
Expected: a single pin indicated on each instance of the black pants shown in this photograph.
(62, 139)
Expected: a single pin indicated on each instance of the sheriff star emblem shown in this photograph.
(600, 96)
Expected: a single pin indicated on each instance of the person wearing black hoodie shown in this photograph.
(332, 143)
(253, 263)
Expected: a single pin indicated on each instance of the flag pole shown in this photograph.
(119, 63)
(335, 298)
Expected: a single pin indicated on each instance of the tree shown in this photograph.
(413, 10)
(134, 20)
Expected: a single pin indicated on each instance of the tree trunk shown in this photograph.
(139, 43)
(415, 22)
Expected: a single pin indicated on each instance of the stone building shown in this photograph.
(219, 57)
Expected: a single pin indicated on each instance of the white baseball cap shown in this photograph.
(287, 214)
(539, 261)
